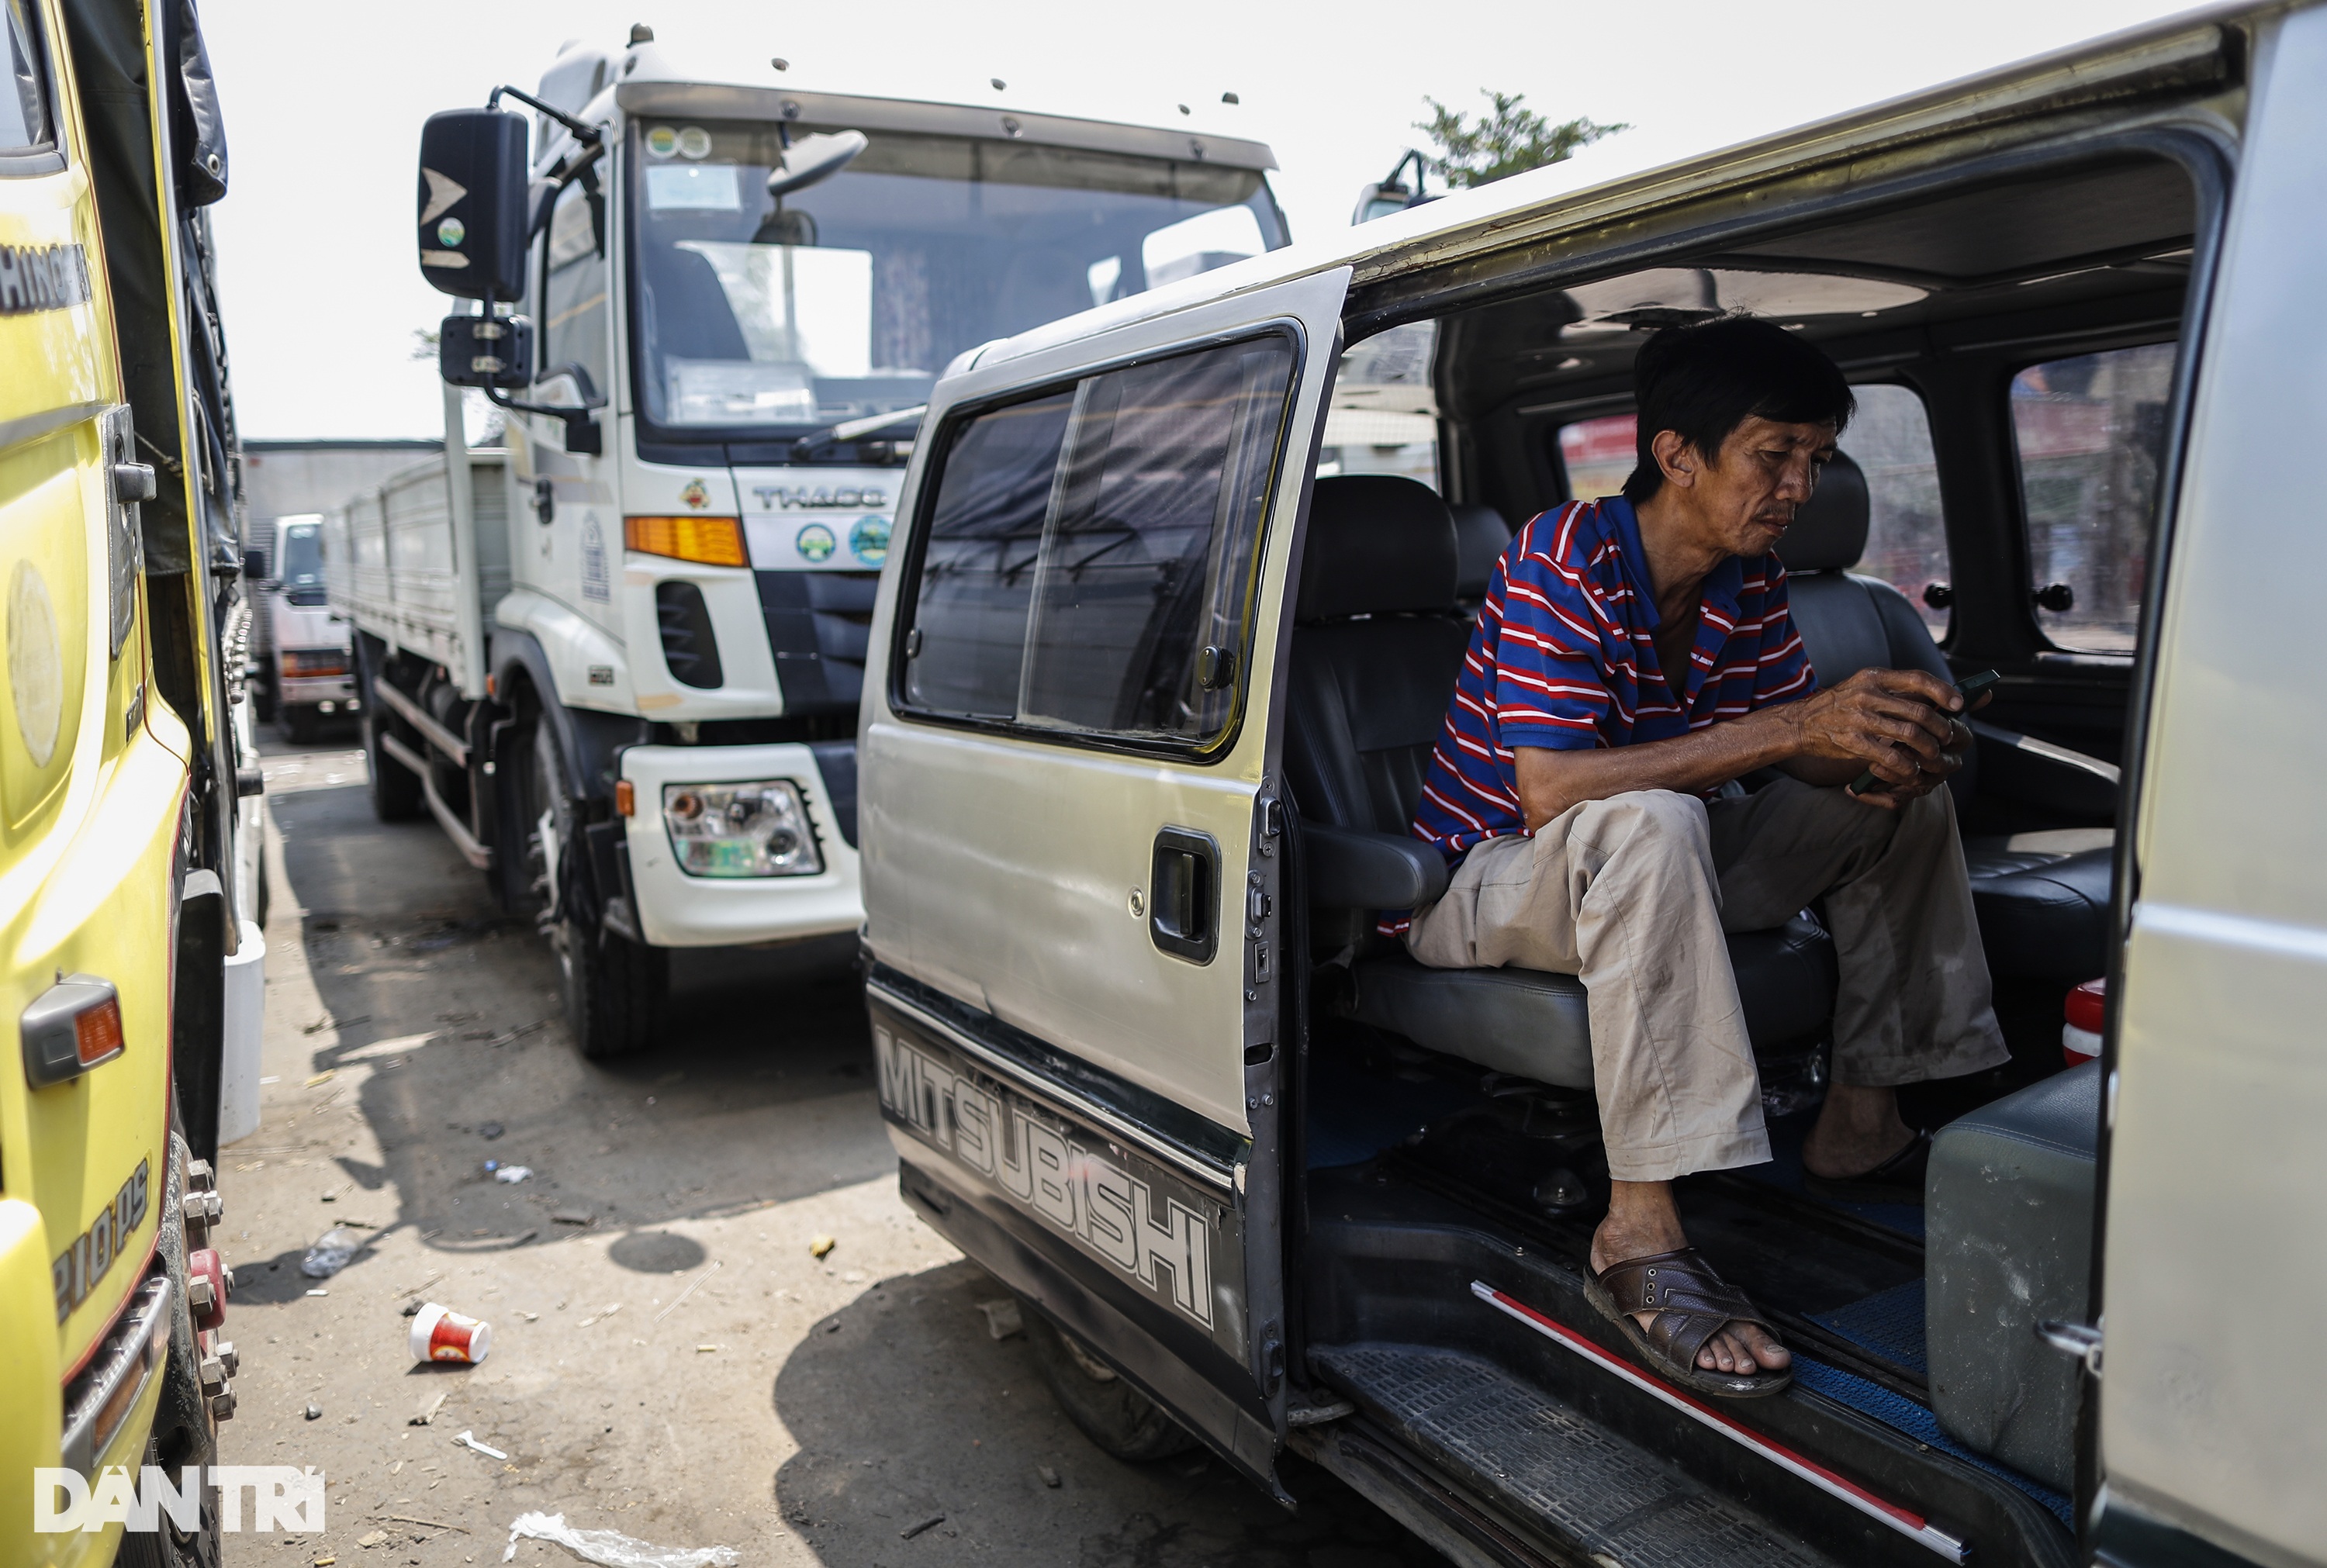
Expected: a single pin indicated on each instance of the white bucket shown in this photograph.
(246, 1019)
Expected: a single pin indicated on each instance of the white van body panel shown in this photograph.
(2210, 1405)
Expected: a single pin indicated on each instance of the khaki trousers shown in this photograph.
(1631, 895)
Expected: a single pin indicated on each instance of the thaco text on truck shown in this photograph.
(130, 938)
(713, 312)
(1149, 692)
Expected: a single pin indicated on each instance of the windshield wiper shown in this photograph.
(858, 429)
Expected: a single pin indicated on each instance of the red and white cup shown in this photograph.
(441, 1334)
(2080, 1033)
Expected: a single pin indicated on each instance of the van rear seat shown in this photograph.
(1377, 646)
(2044, 898)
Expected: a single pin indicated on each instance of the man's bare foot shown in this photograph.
(1642, 1220)
(1857, 1129)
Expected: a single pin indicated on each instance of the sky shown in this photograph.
(324, 104)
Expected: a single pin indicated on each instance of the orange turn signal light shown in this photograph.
(626, 798)
(711, 541)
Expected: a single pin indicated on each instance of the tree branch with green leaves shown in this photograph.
(1511, 141)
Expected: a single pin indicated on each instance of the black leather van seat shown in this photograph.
(1377, 645)
(2042, 898)
(1481, 537)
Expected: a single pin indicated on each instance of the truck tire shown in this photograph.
(262, 698)
(299, 724)
(613, 988)
(1118, 1418)
(184, 1433)
(394, 788)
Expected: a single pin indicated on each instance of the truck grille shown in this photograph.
(819, 625)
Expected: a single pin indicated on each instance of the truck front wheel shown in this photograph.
(613, 988)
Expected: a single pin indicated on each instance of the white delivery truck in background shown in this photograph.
(301, 665)
(621, 665)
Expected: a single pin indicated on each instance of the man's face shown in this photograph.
(1765, 472)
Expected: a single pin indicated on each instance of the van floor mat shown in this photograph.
(1904, 1415)
(1890, 1323)
(1531, 1455)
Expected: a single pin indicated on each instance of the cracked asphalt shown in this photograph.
(669, 1357)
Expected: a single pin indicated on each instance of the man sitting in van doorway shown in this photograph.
(1634, 656)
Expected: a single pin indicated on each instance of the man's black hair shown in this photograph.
(1707, 379)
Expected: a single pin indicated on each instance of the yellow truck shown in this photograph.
(123, 922)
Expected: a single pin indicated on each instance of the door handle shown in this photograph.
(1184, 894)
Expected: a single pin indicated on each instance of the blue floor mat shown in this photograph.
(1890, 1323)
(1903, 1415)
(1356, 1112)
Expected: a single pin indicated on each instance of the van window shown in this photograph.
(1889, 437)
(574, 324)
(977, 568)
(1906, 533)
(23, 102)
(1598, 456)
(1384, 416)
(2091, 435)
(1090, 554)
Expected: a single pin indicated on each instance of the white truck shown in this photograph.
(622, 664)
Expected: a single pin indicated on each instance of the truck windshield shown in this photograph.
(302, 571)
(850, 297)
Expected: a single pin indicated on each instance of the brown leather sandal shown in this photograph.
(1692, 1304)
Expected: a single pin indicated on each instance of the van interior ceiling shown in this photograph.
(2012, 345)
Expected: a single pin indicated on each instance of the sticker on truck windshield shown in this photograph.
(1154, 1229)
(816, 542)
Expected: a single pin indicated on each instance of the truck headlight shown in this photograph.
(756, 829)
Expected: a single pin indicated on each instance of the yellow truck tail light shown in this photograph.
(710, 541)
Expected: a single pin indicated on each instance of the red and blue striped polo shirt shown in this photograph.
(1563, 656)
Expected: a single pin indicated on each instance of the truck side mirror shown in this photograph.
(253, 565)
(485, 350)
(472, 206)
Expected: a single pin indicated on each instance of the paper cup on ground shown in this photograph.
(441, 1334)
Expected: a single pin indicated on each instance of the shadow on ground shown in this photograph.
(756, 1093)
(905, 1408)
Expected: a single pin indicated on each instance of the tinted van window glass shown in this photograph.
(1906, 533)
(977, 568)
(2091, 432)
(1147, 560)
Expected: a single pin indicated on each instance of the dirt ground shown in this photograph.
(668, 1359)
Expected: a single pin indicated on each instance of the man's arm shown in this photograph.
(1896, 722)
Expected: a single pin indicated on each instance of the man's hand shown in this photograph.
(1899, 724)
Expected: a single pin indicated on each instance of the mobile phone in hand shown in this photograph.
(1970, 686)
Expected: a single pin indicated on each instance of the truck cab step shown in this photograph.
(1531, 1456)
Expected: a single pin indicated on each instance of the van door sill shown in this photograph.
(1596, 1496)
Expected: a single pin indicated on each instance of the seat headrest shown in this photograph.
(1481, 537)
(1379, 544)
(1828, 534)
